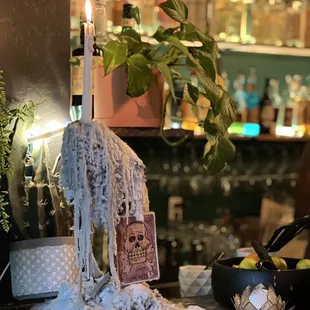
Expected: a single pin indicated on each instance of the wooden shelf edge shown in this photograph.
(176, 133)
(264, 49)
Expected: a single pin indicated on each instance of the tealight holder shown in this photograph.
(259, 298)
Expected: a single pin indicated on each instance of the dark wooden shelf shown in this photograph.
(149, 132)
(155, 132)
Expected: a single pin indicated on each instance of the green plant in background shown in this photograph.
(140, 58)
(8, 121)
(35, 200)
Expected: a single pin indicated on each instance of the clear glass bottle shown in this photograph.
(292, 27)
(101, 23)
(149, 17)
(277, 104)
(246, 36)
(75, 14)
(240, 96)
(305, 25)
(260, 18)
(285, 127)
(277, 16)
(227, 19)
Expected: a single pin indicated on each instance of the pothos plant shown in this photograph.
(140, 58)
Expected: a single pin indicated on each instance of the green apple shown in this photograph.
(279, 262)
(303, 264)
(248, 263)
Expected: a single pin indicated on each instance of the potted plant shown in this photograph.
(32, 203)
(133, 67)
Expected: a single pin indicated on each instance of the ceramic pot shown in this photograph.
(115, 108)
(40, 266)
(292, 285)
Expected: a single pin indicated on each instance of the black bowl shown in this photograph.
(292, 285)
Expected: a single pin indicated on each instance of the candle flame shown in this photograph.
(88, 10)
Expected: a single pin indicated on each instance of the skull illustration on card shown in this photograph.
(137, 258)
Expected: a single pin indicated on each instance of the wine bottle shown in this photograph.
(127, 17)
(266, 111)
(77, 75)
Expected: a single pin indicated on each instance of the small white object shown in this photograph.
(194, 281)
(243, 252)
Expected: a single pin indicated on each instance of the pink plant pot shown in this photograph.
(115, 108)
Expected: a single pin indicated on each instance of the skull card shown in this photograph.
(137, 258)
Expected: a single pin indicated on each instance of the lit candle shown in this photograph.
(88, 55)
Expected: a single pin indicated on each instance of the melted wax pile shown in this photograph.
(105, 178)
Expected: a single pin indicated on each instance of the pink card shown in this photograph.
(137, 258)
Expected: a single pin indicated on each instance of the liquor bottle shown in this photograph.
(277, 103)
(240, 96)
(292, 31)
(77, 76)
(285, 127)
(307, 108)
(266, 111)
(251, 99)
(127, 20)
(237, 127)
(298, 106)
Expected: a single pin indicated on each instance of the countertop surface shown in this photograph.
(170, 291)
(205, 302)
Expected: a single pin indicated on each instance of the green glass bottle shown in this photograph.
(127, 21)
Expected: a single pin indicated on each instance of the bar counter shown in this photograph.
(169, 290)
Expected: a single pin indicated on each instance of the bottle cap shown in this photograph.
(127, 10)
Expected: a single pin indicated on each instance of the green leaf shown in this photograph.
(143, 48)
(178, 44)
(207, 64)
(165, 71)
(193, 92)
(218, 154)
(75, 62)
(162, 34)
(227, 110)
(210, 128)
(176, 9)
(131, 37)
(136, 14)
(223, 104)
(139, 75)
(209, 45)
(115, 54)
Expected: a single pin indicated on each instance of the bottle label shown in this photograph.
(127, 22)
(267, 116)
(77, 75)
(288, 117)
(307, 113)
(252, 101)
